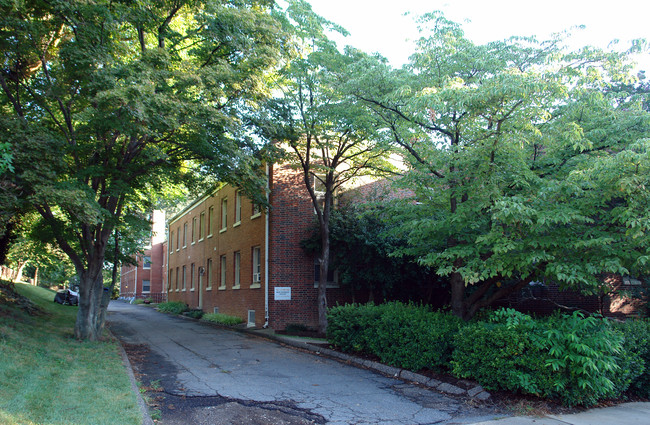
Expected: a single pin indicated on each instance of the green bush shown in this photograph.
(222, 319)
(351, 327)
(583, 353)
(412, 337)
(574, 359)
(501, 356)
(194, 313)
(636, 348)
(173, 307)
(403, 335)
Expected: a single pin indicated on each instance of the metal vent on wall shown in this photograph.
(216, 310)
(251, 318)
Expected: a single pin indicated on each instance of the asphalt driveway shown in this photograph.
(216, 376)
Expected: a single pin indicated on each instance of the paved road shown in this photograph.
(227, 374)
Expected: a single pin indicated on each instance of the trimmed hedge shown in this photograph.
(403, 335)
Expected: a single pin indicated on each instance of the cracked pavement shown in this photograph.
(216, 376)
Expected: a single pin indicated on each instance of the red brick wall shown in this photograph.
(292, 219)
(156, 276)
(241, 237)
(545, 299)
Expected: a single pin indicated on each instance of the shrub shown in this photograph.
(403, 335)
(574, 359)
(636, 350)
(296, 328)
(351, 327)
(501, 356)
(194, 313)
(173, 307)
(412, 337)
(583, 354)
(222, 319)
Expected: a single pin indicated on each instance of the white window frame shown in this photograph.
(237, 209)
(224, 215)
(222, 272)
(237, 270)
(257, 267)
(208, 270)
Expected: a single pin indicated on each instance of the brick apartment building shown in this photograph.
(147, 280)
(228, 256)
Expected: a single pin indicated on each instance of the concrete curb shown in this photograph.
(146, 418)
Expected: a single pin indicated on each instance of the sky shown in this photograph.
(380, 25)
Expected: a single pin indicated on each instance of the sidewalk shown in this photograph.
(623, 414)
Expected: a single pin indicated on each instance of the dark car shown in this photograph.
(66, 297)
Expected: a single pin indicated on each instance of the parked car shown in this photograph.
(67, 297)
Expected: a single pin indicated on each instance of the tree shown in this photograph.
(33, 249)
(529, 163)
(100, 99)
(326, 133)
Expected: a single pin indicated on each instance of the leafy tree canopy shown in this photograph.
(103, 99)
(527, 162)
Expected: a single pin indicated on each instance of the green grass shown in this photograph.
(222, 319)
(47, 377)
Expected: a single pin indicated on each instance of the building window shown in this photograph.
(184, 278)
(222, 284)
(177, 281)
(192, 274)
(146, 286)
(237, 208)
(237, 269)
(209, 273)
(210, 220)
(171, 242)
(224, 214)
(332, 275)
(184, 235)
(146, 262)
(257, 210)
(171, 280)
(257, 265)
(194, 231)
(202, 226)
(178, 239)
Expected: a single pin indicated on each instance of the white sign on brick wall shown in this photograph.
(283, 293)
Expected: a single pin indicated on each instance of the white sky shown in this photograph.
(380, 25)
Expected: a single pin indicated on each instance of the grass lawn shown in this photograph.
(49, 378)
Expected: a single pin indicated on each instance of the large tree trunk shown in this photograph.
(91, 314)
(458, 295)
(322, 284)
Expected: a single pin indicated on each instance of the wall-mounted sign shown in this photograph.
(282, 293)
